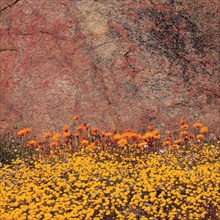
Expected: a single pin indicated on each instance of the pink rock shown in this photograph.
(118, 64)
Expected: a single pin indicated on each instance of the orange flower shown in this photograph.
(122, 142)
(67, 134)
(127, 135)
(40, 143)
(148, 135)
(82, 127)
(182, 122)
(183, 133)
(28, 130)
(75, 118)
(21, 132)
(56, 137)
(191, 135)
(76, 135)
(169, 134)
(184, 127)
(200, 136)
(47, 134)
(179, 141)
(175, 146)
(107, 134)
(117, 137)
(197, 125)
(95, 130)
(204, 130)
(137, 136)
(31, 143)
(156, 134)
(66, 128)
(186, 137)
(84, 142)
(54, 144)
(166, 143)
(91, 146)
(142, 144)
(150, 128)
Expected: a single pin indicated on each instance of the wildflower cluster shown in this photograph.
(125, 144)
(84, 173)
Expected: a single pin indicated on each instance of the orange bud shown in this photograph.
(75, 118)
(150, 128)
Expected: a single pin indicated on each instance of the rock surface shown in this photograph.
(118, 64)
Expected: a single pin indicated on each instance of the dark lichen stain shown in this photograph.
(174, 35)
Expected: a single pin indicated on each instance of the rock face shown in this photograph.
(118, 64)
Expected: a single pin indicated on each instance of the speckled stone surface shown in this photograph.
(118, 64)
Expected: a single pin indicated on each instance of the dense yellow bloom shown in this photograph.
(91, 177)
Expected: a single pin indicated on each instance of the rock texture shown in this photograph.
(118, 64)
